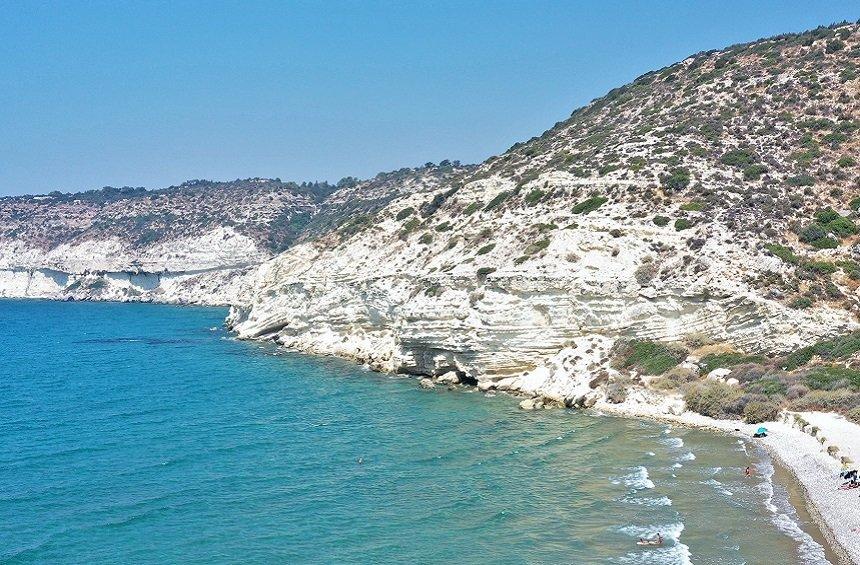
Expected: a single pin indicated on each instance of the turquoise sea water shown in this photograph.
(145, 434)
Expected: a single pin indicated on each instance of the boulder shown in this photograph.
(426, 383)
(601, 378)
(529, 404)
(719, 374)
(449, 378)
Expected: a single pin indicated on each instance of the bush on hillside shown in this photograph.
(826, 401)
(728, 359)
(589, 205)
(832, 378)
(840, 347)
(678, 179)
(648, 357)
(683, 224)
(711, 398)
(756, 412)
(738, 158)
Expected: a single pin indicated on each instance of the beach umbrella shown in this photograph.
(761, 430)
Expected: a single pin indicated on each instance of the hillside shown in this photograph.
(701, 218)
(196, 242)
(706, 208)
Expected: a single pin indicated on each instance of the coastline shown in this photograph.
(801, 456)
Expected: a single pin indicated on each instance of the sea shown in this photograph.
(140, 433)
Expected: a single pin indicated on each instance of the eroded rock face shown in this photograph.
(214, 268)
(675, 205)
(668, 208)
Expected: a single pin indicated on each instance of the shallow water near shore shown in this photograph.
(145, 433)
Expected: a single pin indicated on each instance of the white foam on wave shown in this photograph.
(674, 442)
(676, 465)
(689, 456)
(785, 518)
(648, 500)
(651, 454)
(636, 480)
(718, 486)
(672, 552)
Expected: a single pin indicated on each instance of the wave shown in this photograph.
(673, 552)
(636, 480)
(785, 518)
(647, 500)
(718, 486)
(673, 442)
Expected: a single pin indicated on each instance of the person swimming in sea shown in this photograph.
(658, 541)
(748, 471)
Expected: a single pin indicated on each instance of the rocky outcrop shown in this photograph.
(670, 207)
(715, 197)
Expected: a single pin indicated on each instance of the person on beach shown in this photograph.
(748, 471)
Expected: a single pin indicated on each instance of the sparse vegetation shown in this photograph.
(590, 205)
(648, 357)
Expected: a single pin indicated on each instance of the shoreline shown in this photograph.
(813, 472)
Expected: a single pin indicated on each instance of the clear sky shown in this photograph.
(151, 94)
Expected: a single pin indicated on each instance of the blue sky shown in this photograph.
(151, 94)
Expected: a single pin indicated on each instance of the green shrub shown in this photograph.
(756, 412)
(801, 303)
(590, 205)
(677, 179)
(846, 161)
(833, 46)
(444, 226)
(826, 215)
(821, 267)
(411, 225)
(728, 359)
(825, 243)
(484, 271)
(693, 206)
(683, 224)
(405, 213)
(800, 180)
(854, 415)
(537, 246)
(497, 200)
(830, 377)
(842, 227)
(826, 401)
(812, 232)
(471, 208)
(783, 252)
(834, 139)
(769, 386)
(486, 249)
(754, 172)
(840, 347)
(738, 158)
(648, 357)
(426, 238)
(661, 220)
(535, 196)
(711, 398)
